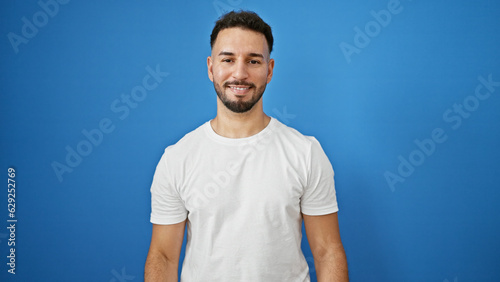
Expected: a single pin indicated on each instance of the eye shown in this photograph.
(254, 62)
(226, 60)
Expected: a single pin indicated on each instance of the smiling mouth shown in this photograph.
(239, 89)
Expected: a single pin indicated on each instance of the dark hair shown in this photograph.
(245, 20)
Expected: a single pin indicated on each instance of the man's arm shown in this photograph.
(324, 239)
(162, 263)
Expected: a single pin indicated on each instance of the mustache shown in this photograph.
(239, 83)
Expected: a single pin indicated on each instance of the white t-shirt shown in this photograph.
(243, 198)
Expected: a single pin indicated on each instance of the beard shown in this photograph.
(239, 106)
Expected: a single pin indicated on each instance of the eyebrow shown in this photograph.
(226, 53)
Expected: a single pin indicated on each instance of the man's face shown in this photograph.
(240, 68)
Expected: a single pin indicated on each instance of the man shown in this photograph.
(243, 182)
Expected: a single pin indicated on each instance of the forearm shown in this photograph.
(332, 267)
(159, 268)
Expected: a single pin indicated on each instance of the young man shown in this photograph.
(243, 182)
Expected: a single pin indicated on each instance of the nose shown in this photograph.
(240, 71)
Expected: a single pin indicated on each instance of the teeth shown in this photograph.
(240, 88)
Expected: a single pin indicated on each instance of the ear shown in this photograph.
(209, 68)
(270, 68)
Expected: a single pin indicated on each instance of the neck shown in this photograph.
(239, 125)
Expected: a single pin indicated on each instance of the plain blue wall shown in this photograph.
(369, 90)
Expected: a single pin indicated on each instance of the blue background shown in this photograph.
(367, 109)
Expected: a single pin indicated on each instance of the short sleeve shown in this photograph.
(167, 206)
(319, 196)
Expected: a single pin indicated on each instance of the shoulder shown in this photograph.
(293, 137)
(187, 143)
(306, 147)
